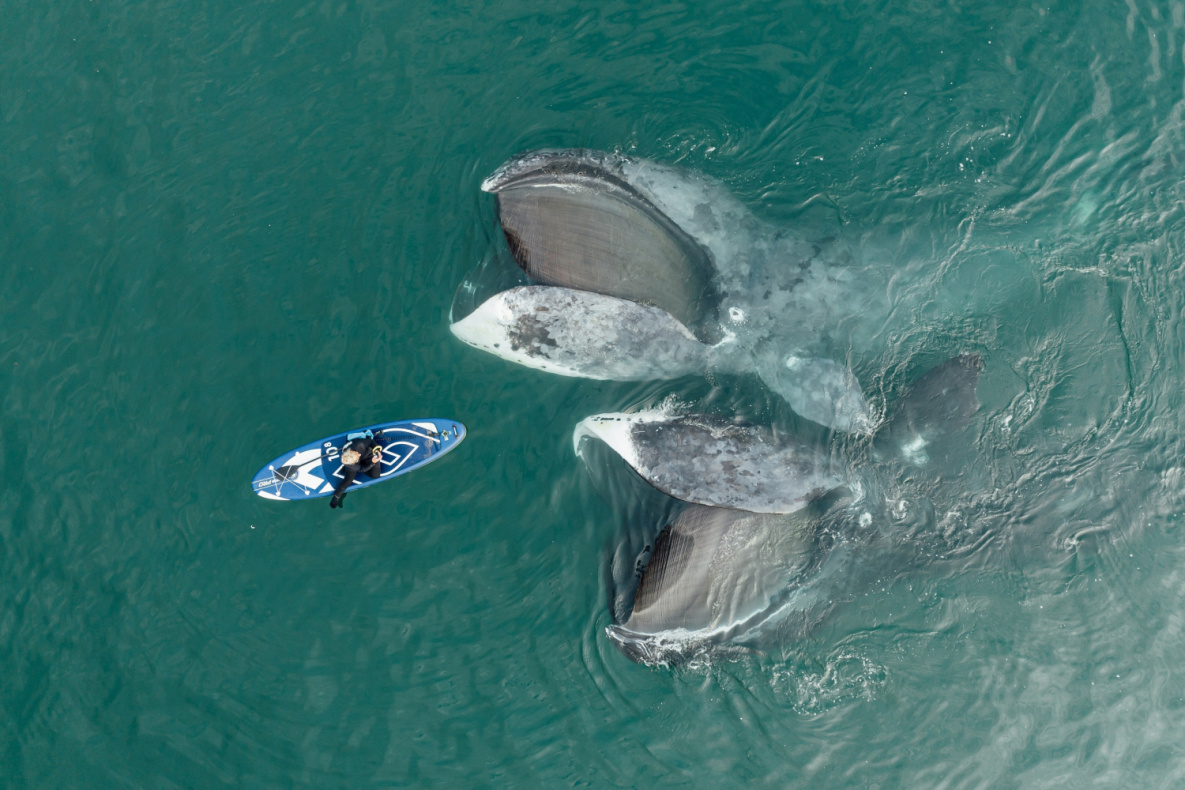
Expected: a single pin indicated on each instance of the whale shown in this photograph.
(680, 242)
(748, 554)
(938, 404)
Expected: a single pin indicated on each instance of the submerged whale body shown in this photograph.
(722, 576)
(638, 231)
(938, 404)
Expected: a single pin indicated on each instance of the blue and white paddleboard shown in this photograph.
(315, 470)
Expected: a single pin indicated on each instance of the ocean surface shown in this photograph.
(228, 229)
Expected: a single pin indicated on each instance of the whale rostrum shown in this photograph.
(707, 461)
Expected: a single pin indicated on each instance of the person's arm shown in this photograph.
(339, 493)
(374, 461)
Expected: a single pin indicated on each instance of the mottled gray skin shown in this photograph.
(641, 231)
(707, 461)
(585, 334)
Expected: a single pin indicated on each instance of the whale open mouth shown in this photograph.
(570, 220)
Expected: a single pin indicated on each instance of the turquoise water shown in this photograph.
(228, 230)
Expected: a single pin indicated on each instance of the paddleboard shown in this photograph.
(315, 469)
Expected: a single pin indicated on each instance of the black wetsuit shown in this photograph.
(365, 448)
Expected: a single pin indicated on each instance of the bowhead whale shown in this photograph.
(747, 553)
(679, 242)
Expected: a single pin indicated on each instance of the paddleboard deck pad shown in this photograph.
(315, 470)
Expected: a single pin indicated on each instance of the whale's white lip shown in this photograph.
(667, 637)
(510, 172)
(485, 327)
(613, 429)
(616, 430)
(577, 333)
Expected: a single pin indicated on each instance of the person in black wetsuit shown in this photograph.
(361, 455)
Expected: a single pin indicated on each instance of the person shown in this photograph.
(361, 455)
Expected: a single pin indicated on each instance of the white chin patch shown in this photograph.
(481, 329)
(614, 430)
(487, 328)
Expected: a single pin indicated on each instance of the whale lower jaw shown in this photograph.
(551, 162)
(677, 647)
(680, 646)
(589, 335)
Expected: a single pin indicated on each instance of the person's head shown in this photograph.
(351, 456)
